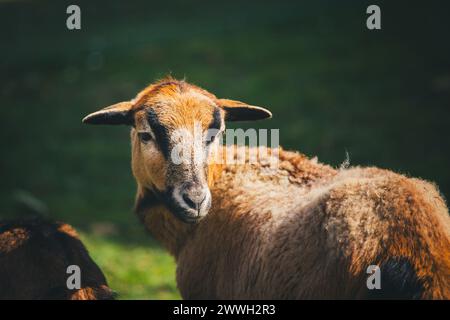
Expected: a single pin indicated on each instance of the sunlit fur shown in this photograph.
(300, 230)
(178, 105)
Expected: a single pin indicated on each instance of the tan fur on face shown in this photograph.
(148, 164)
(183, 110)
(178, 105)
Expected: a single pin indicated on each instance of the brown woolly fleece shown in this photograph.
(34, 256)
(301, 230)
(307, 231)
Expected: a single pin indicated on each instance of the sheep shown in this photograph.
(297, 230)
(34, 258)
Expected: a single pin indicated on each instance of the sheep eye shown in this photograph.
(145, 136)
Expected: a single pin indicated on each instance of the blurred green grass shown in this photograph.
(134, 272)
(333, 86)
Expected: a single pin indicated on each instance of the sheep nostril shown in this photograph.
(190, 202)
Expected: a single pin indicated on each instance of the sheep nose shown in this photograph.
(194, 195)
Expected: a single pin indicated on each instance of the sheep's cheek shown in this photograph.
(155, 169)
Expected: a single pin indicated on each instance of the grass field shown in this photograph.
(333, 86)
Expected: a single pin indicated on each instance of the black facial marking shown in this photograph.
(145, 136)
(217, 120)
(161, 133)
(145, 201)
(214, 126)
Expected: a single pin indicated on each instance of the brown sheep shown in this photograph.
(254, 231)
(34, 257)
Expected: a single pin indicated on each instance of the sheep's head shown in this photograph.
(175, 126)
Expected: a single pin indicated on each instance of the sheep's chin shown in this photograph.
(187, 217)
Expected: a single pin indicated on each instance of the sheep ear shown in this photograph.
(119, 113)
(240, 111)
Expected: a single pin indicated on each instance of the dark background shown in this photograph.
(334, 87)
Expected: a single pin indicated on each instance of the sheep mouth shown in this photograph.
(189, 216)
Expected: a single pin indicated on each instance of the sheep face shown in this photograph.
(172, 142)
(174, 133)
